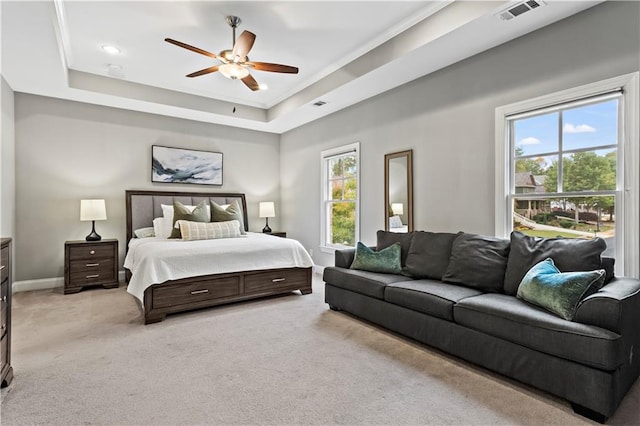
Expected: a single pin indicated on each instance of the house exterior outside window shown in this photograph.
(567, 166)
(340, 220)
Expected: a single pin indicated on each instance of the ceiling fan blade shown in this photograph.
(243, 45)
(204, 71)
(189, 47)
(266, 66)
(251, 83)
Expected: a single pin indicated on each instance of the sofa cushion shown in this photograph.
(386, 260)
(609, 265)
(568, 254)
(429, 254)
(363, 282)
(385, 239)
(431, 297)
(478, 261)
(512, 319)
(558, 292)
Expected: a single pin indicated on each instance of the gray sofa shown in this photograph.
(457, 293)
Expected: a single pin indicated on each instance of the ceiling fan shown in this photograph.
(235, 62)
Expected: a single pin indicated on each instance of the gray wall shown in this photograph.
(67, 151)
(447, 118)
(7, 162)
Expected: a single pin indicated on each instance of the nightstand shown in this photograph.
(89, 263)
(278, 234)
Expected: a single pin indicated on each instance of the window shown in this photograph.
(568, 167)
(340, 197)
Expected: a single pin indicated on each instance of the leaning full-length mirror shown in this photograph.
(398, 191)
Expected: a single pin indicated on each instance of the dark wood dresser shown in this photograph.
(89, 263)
(5, 315)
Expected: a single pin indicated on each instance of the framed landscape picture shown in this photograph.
(177, 165)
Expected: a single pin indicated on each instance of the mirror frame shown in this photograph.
(408, 154)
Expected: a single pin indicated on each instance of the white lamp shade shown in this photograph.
(267, 209)
(93, 210)
(397, 208)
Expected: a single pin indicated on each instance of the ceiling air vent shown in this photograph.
(319, 103)
(519, 8)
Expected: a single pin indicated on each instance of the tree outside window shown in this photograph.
(343, 187)
(340, 197)
(565, 172)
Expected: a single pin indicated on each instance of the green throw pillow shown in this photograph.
(386, 260)
(233, 212)
(180, 212)
(558, 292)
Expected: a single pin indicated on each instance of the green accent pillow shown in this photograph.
(180, 212)
(558, 292)
(233, 212)
(386, 260)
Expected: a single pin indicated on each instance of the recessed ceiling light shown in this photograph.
(111, 49)
(263, 86)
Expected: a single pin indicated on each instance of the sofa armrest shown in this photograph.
(344, 258)
(615, 307)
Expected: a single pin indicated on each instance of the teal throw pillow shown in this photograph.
(386, 260)
(558, 292)
(180, 212)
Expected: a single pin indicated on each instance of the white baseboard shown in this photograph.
(42, 284)
(45, 283)
(318, 269)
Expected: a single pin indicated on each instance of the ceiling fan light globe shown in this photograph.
(233, 71)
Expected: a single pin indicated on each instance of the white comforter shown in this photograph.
(155, 260)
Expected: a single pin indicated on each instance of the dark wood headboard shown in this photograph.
(143, 206)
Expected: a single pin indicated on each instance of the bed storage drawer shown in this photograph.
(195, 291)
(278, 279)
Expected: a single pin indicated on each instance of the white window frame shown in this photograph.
(325, 155)
(627, 192)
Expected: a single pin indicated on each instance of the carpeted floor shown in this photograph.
(88, 359)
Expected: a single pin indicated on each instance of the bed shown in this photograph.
(170, 276)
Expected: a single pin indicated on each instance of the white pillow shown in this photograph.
(145, 232)
(167, 211)
(162, 227)
(395, 222)
(209, 230)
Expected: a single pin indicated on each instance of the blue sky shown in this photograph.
(583, 127)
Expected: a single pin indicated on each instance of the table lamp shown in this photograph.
(93, 210)
(267, 210)
(397, 208)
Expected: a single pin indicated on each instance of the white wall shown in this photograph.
(67, 151)
(7, 161)
(447, 118)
